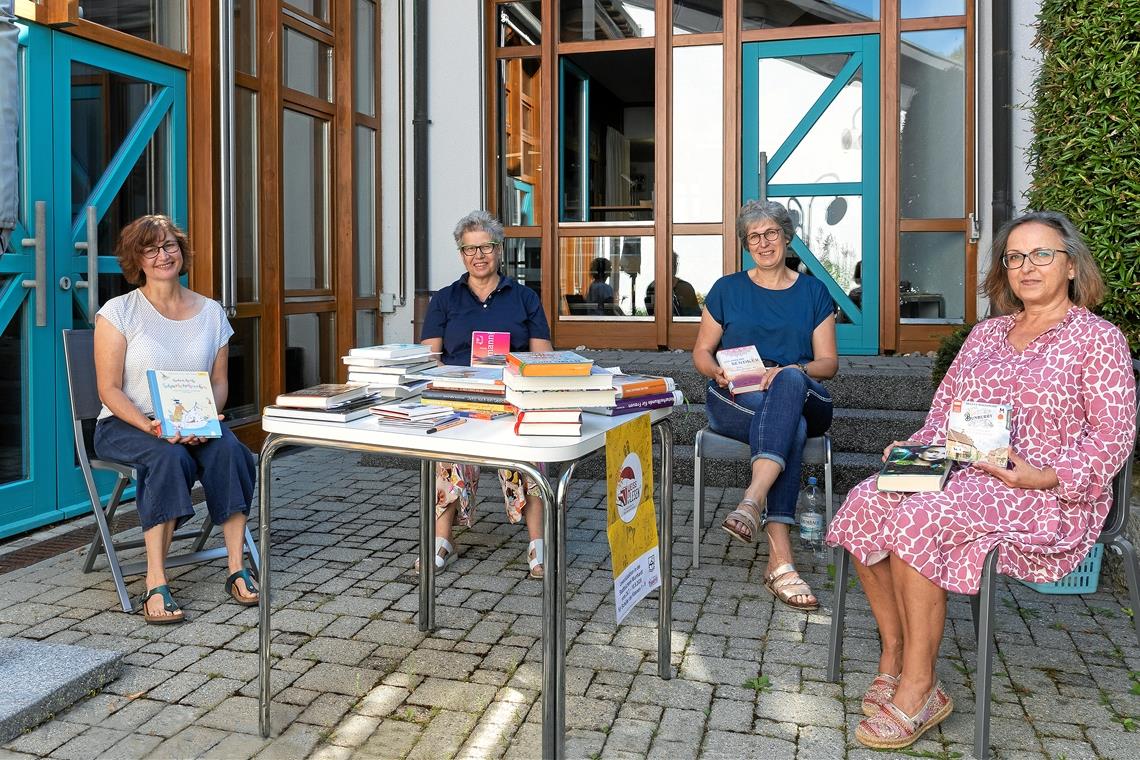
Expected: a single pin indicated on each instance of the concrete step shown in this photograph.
(868, 431)
(41, 680)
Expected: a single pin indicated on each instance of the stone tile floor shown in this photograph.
(353, 676)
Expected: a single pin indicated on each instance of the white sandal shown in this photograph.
(534, 558)
(445, 554)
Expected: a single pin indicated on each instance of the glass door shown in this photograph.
(102, 140)
(810, 141)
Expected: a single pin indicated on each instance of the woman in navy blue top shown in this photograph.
(789, 318)
(483, 299)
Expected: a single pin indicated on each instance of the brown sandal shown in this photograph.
(747, 513)
(786, 584)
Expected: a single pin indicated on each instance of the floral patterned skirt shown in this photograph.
(459, 483)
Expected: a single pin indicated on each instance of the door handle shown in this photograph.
(91, 245)
(39, 284)
(762, 170)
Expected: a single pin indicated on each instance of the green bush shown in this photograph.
(1085, 153)
(948, 348)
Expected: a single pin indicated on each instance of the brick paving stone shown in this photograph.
(92, 742)
(449, 665)
(235, 747)
(444, 735)
(134, 714)
(667, 750)
(801, 708)
(438, 692)
(818, 743)
(393, 738)
(340, 651)
(224, 663)
(177, 687)
(675, 693)
(295, 743)
(730, 715)
(45, 738)
(170, 720)
(327, 709)
(338, 678)
(94, 709)
(135, 746)
(719, 744)
(189, 742)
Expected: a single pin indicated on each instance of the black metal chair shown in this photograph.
(79, 354)
(712, 445)
(982, 604)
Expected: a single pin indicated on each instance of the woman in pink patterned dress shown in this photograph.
(1068, 375)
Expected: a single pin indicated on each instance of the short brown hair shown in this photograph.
(1085, 289)
(146, 231)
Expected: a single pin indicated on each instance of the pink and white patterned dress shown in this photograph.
(1074, 400)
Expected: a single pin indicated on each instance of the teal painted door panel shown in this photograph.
(812, 107)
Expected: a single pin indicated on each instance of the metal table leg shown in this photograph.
(427, 545)
(665, 593)
(265, 481)
(553, 619)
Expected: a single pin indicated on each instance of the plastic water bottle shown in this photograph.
(812, 527)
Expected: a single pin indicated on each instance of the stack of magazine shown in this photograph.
(327, 402)
(388, 369)
(412, 416)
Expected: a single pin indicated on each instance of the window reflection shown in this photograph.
(612, 20)
(305, 195)
(696, 266)
(519, 23)
(698, 16)
(243, 401)
(605, 277)
(777, 14)
(927, 8)
(367, 327)
(698, 137)
(520, 103)
(164, 23)
(931, 272)
(522, 260)
(308, 64)
(310, 350)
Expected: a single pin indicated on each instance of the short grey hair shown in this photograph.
(759, 211)
(479, 220)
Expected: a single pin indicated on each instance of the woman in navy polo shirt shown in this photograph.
(483, 299)
(790, 319)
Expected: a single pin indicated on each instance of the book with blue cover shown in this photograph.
(184, 403)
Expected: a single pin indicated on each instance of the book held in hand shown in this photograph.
(184, 403)
(743, 367)
(914, 468)
(322, 396)
(489, 349)
(978, 432)
(549, 363)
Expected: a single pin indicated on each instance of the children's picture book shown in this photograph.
(549, 363)
(322, 396)
(743, 367)
(390, 350)
(914, 468)
(184, 403)
(978, 432)
(489, 349)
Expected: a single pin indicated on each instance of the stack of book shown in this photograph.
(386, 369)
(638, 393)
(474, 391)
(409, 416)
(549, 389)
(328, 402)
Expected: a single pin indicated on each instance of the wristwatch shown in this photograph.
(803, 367)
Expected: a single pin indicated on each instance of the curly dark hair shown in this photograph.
(146, 231)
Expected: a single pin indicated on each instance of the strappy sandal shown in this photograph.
(445, 554)
(880, 692)
(891, 728)
(747, 513)
(252, 598)
(534, 557)
(786, 584)
(168, 604)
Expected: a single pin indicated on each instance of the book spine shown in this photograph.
(472, 406)
(472, 396)
(156, 403)
(652, 387)
(642, 403)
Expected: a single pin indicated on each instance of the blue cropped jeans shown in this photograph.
(775, 424)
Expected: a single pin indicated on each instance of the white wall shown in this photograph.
(455, 144)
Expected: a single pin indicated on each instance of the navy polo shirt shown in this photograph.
(455, 312)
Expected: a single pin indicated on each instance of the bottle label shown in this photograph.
(811, 526)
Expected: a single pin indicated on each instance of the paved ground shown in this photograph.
(355, 678)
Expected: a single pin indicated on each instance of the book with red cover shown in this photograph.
(489, 349)
(549, 363)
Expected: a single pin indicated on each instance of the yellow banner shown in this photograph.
(631, 522)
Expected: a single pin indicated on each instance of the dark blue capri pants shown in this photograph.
(775, 423)
(167, 471)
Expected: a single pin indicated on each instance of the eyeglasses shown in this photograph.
(1041, 257)
(170, 246)
(771, 236)
(484, 248)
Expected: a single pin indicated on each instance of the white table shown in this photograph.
(490, 444)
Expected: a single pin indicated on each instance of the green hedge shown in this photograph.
(1085, 154)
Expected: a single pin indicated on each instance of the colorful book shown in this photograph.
(184, 403)
(322, 396)
(639, 404)
(489, 349)
(560, 399)
(914, 468)
(978, 432)
(743, 367)
(472, 406)
(390, 351)
(461, 378)
(598, 379)
(347, 412)
(632, 386)
(549, 363)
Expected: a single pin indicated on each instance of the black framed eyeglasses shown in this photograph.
(771, 236)
(170, 246)
(484, 248)
(1041, 257)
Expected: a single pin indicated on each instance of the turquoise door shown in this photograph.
(811, 142)
(102, 140)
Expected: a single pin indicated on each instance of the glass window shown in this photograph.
(778, 14)
(304, 195)
(310, 350)
(522, 260)
(696, 266)
(696, 16)
(164, 23)
(13, 428)
(932, 124)
(243, 401)
(519, 149)
(519, 23)
(308, 65)
(364, 58)
(245, 36)
(928, 8)
(364, 201)
(246, 188)
(316, 8)
(613, 20)
(698, 134)
(367, 327)
(608, 137)
(604, 277)
(931, 272)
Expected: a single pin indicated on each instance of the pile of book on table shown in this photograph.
(328, 402)
(639, 393)
(388, 370)
(412, 416)
(549, 389)
(471, 391)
